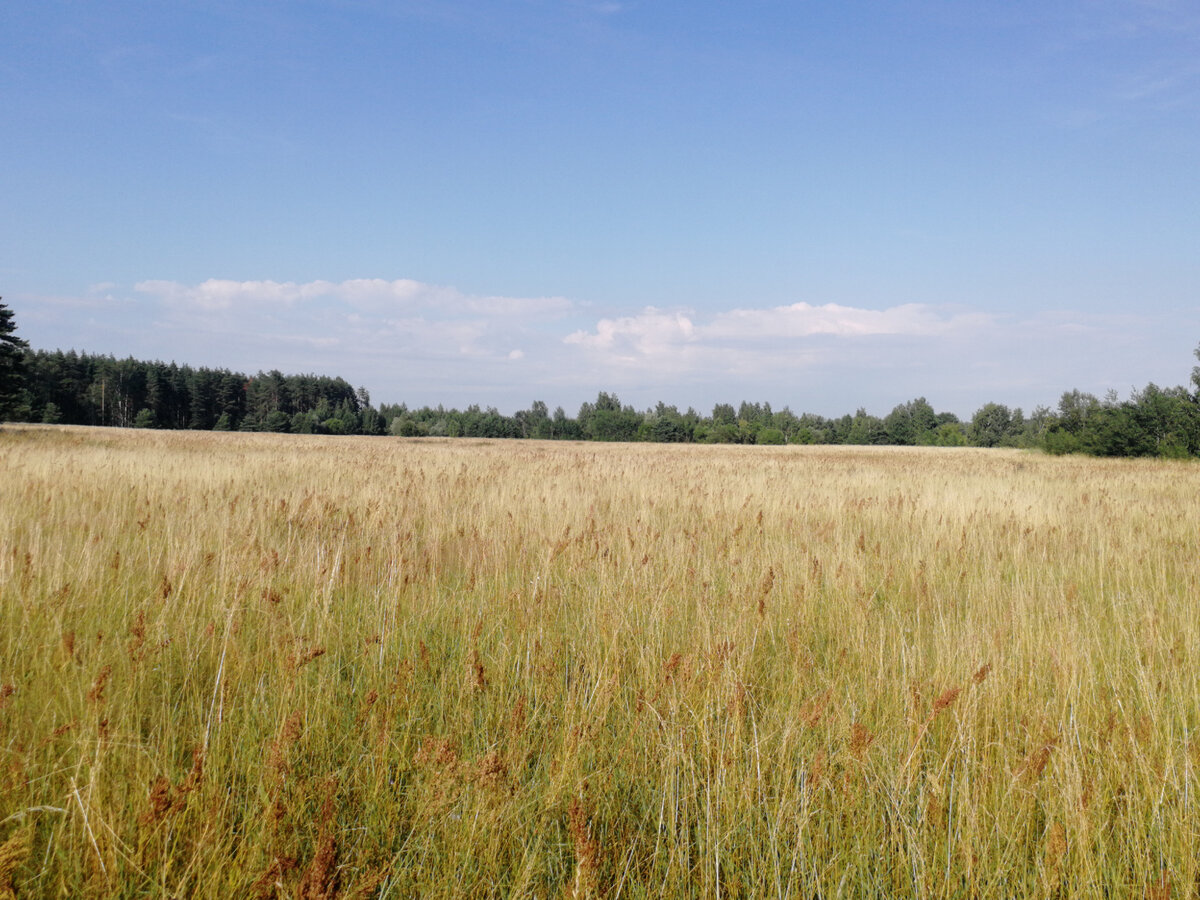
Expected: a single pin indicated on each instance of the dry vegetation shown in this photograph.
(260, 666)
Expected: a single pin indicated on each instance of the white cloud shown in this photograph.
(361, 294)
(220, 294)
(649, 333)
(804, 320)
(657, 333)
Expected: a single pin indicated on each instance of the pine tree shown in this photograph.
(12, 364)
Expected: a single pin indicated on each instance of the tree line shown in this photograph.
(88, 389)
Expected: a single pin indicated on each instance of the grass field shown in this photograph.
(266, 666)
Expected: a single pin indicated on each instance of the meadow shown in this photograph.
(244, 665)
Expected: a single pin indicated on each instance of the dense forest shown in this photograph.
(85, 389)
(82, 389)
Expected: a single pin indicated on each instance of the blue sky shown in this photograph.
(822, 205)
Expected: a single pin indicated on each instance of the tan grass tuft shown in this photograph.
(1160, 889)
(1056, 848)
(981, 673)
(13, 853)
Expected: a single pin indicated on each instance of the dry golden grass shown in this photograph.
(261, 666)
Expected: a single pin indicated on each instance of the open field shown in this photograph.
(257, 666)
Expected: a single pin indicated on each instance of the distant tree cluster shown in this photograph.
(1154, 422)
(84, 389)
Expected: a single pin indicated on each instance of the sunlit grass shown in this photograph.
(250, 665)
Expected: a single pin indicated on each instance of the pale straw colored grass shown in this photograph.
(252, 665)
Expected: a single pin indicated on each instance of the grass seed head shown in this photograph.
(13, 852)
(160, 801)
(68, 645)
(96, 694)
(1056, 847)
(945, 700)
(478, 676)
(516, 719)
(860, 740)
(587, 851)
(1035, 763)
(492, 771)
(270, 883)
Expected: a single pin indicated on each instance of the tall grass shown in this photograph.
(260, 666)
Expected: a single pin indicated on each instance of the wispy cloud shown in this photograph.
(650, 332)
(410, 330)
(1164, 80)
(357, 294)
(655, 332)
(803, 320)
